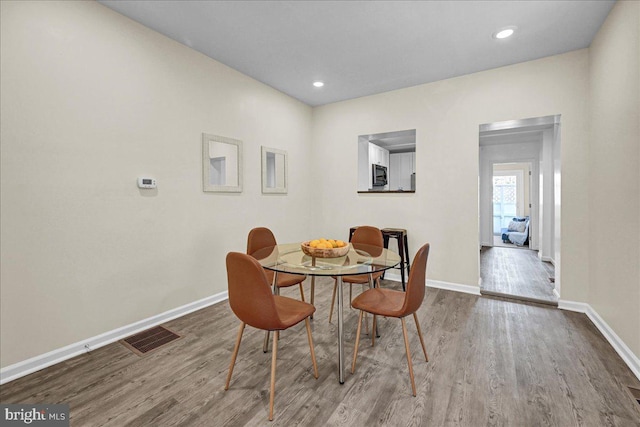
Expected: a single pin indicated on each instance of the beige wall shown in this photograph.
(90, 102)
(446, 116)
(614, 238)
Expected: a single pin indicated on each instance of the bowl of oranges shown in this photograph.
(325, 248)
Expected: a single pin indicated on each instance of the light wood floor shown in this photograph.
(516, 272)
(492, 362)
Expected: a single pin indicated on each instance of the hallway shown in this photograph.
(516, 272)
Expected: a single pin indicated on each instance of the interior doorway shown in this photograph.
(511, 202)
(519, 210)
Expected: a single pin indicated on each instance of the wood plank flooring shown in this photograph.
(516, 272)
(491, 362)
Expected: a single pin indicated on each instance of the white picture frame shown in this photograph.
(274, 171)
(221, 164)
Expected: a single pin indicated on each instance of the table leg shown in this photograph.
(401, 252)
(265, 344)
(340, 333)
(385, 239)
(375, 324)
(406, 253)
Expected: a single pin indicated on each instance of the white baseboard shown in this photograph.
(395, 276)
(467, 289)
(632, 361)
(548, 259)
(42, 361)
(579, 307)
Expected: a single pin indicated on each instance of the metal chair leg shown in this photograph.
(355, 350)
(333, 300)
(424, 349)
(301, 292)
(313, 353)
(273, 373)
(406, 346)
(313, 290)
(235, 354)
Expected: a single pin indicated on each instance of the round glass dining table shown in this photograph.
(361, 259)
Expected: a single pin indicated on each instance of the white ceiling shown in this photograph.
(360, 48)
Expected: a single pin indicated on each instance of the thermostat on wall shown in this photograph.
(146, 183)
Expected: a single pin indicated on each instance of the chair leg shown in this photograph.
(374, 331)
(355, 350)
(366, 324)
(265, 344)
(350, 295)
(301, 292)
(273, 373)
(366, 321)
(313, 353)
(313, 290)
(424, 349)
(235, 354)
(375, 283)
(333, 299)
(406, 346)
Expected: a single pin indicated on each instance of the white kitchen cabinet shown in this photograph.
(401, 167)
(373, 154)
(378, 155)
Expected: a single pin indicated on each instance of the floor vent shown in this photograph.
(149, 340)
(635, 393)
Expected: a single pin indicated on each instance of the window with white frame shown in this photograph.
(507, 198)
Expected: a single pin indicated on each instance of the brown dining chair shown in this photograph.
(252, 301)
(392, 303)
(262, 237)
(365, 235)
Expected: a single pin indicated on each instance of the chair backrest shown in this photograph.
(416, 284)
(367, 235)
(260, 238)
(250, 295)
(372, 238)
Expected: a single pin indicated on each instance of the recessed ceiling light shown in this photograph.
(504, 33)
(318, 84)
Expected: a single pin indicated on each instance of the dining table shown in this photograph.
(360, 259)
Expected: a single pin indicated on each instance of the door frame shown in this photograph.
(515, 126)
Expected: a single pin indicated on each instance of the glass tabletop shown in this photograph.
(361, 259)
